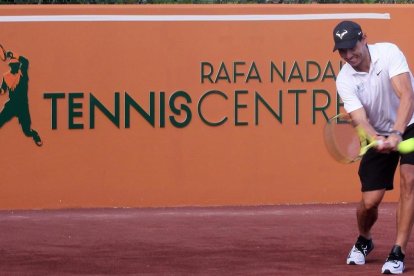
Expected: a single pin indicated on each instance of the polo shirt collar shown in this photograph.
(374, 53)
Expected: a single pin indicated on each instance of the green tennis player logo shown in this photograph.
(16, 83)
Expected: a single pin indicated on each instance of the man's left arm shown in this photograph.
(404, 90)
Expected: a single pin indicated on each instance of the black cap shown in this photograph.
(346, 34)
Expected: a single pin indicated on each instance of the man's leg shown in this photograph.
(405, 212)
(6, 114)
(367, 214)
(367, 211)
(32, 133)
(25, 121)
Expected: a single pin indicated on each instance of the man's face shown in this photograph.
(356, 55)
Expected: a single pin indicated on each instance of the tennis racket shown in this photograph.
(347, 143)
(3, 55)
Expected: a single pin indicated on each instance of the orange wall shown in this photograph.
(162, 165)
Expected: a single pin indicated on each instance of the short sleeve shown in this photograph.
(397, 63)
(346, 92)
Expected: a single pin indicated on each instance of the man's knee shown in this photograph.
(370, 205)
(407, 179)
(371, 200)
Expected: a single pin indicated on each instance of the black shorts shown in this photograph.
(376, 170)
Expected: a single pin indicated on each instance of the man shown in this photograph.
(15, 82)
(376, 87)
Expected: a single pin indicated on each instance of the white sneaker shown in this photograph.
(355, 257)
(393, 267)
(359, 252)
(395, 261)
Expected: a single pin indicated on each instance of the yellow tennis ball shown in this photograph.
(406, 146)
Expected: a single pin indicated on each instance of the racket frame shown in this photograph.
(3, 56)
(365, 141)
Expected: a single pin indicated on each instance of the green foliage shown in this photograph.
(203, 1)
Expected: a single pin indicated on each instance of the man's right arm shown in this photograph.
(359, 117)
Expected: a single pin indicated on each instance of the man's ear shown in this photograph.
(364, 37)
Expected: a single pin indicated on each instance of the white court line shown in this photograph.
(178, 18)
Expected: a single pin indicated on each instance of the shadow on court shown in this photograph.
(269, 240)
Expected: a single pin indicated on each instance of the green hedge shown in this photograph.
(201, 1)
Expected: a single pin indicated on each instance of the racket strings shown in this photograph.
(343, 140)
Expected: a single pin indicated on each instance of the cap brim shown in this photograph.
(347, 44)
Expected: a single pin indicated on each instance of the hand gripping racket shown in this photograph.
(347, 143)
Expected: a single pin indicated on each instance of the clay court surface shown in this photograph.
(268, 240)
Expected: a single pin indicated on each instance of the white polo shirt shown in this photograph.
(373, 90)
